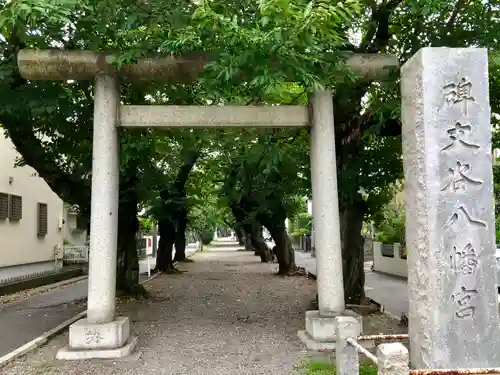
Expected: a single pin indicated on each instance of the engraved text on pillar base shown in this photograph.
(92, 336)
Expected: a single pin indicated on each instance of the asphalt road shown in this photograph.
(390, 292)
(25, 320)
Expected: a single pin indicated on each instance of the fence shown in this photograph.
(80, 254)
(304, 243)
(27, 276)
(391, 358)
(390, 259)
(76, 254)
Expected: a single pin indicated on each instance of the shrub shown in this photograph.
(390, 227)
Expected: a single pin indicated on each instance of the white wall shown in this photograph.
(393, 266)
(399, 267)
(19, 242)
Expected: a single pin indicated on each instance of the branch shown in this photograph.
(185, 169)
(460, 4)
(380, 22)
(372, 28)
(177, 189)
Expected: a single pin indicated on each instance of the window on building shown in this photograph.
(16, 207)
(42, 219)
(4, 206)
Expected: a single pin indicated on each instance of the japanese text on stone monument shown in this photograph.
(459, 178)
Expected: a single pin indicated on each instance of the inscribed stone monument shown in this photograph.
(450, 229)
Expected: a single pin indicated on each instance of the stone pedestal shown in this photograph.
(98, 340)
(321, 331)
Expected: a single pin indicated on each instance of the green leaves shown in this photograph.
(280, 41)
(268, 173)
(33, 13)
(390, 224)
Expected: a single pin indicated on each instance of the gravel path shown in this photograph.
(228, 314)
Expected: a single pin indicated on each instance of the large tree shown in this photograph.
(50, 123)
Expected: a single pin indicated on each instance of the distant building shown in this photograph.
(34, 221)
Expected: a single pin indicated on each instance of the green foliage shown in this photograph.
(146, 225)
(33, 13)
(299, 232)
(323, 367)
(279, 41)
(275, 41)
(300, 224)
(204, 217)
(390, 224)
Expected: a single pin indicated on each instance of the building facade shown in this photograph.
(34, 221)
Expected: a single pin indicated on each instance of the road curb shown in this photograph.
(159, 273)
(41, 340)
(69, 281)
(7, 299)
(150, 278)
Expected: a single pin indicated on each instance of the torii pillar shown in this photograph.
(102, 334)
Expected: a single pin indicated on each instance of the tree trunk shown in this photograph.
(180, 237)
(248, 242)
(353, 256)
(254, 233)
(173, 219)
(284, 249)
(239, 234)
(127, 271)
(166, 230)
(261, 247)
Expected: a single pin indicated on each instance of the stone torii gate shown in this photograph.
(104, 335)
